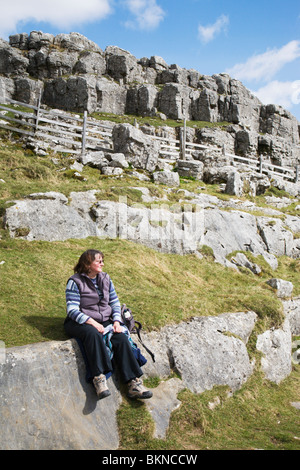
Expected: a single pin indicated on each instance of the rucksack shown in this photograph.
(133, 326)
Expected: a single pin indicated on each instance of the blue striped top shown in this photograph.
(73, 302)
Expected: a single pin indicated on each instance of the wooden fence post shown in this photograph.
(183, 140)
(260, 163)
(37, 114)
(180, 144)
(83, 138)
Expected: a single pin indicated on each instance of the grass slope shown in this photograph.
(161, 289)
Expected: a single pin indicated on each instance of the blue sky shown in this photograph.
(255, 41)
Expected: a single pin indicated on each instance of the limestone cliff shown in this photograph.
(76, 75)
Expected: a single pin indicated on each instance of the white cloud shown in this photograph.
(286, 94)
(208, 33)
(147, 14)
(60, 13)
(265, 66)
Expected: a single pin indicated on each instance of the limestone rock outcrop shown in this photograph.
(170, 229)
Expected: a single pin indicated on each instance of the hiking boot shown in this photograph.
(100, 386)
(136, 389)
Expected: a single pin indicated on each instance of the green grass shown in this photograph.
(161, 289)
(155, 121)
(258, 416)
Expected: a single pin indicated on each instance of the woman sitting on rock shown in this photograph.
(94, 317)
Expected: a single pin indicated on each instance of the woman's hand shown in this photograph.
(95, 324)
(117, 327)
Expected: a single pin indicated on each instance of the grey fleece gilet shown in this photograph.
(90, 303)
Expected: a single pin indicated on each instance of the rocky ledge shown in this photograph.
(48, 403)
(203, 220)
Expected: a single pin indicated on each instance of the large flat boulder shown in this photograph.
(46, 403)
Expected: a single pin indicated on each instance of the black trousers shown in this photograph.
(97, 354)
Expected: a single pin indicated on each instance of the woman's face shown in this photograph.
(96, 266)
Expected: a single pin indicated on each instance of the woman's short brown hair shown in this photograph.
(85, 260)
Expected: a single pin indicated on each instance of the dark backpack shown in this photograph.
(133, 326)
